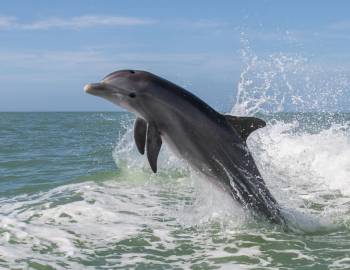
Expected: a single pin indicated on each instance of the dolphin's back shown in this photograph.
(179, 93)
(212, 143)
(229, 161)
(215, 144)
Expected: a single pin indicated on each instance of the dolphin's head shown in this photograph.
(125, 88)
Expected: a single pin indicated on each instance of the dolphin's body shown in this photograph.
(212, 143)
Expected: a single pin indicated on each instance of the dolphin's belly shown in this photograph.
(226, 161)
(188, 150)
(206, 149)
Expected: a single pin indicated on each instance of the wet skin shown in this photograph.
(212, 143)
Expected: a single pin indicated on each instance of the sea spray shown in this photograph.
(279, 82)
(304, 157)
(83, 212)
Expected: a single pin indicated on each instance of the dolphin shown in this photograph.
(212, 143)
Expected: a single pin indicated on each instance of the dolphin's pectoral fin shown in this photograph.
(245, 125)
(154, 143)
(140, 131)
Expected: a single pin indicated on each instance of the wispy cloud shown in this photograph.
(340, 25)
(50, 65)
(208, 24)
(51, 59)
(64, 59)
(90, 21)
(79, 22)
(7, 21)
(200, 24)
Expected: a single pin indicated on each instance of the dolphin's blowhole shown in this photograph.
(212, 143)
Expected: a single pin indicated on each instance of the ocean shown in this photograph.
(75, 194)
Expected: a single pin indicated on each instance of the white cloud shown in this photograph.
(201, 24)
(340, 25)
(208, 24)
(7, 21)
(90, 21)
(94, 57)
(52, 65)
(87, 21)
(50, 59)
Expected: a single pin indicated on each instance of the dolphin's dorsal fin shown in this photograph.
(245, 125)
(153, 145)
(140, 132)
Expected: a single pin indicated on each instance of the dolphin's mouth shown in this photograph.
(102, 88)
(95, 88)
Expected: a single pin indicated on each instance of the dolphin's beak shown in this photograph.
(95, 88)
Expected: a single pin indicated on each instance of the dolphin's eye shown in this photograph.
(132, 95)
(131, 71)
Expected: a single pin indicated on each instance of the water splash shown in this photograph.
(294, 151)
(125, 153)
(287, 82)
(132, 218)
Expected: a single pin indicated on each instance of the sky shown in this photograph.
(50, 49)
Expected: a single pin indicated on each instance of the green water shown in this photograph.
(75, 194)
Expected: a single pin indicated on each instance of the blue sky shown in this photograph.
(49, 50)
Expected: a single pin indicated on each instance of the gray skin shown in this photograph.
(212, 143)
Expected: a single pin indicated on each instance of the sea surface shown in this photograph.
(75, 194)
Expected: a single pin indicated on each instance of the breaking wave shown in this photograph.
(131, 217)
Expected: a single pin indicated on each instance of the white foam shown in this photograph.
(73, 221)
(304, 168)
(177, 217)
